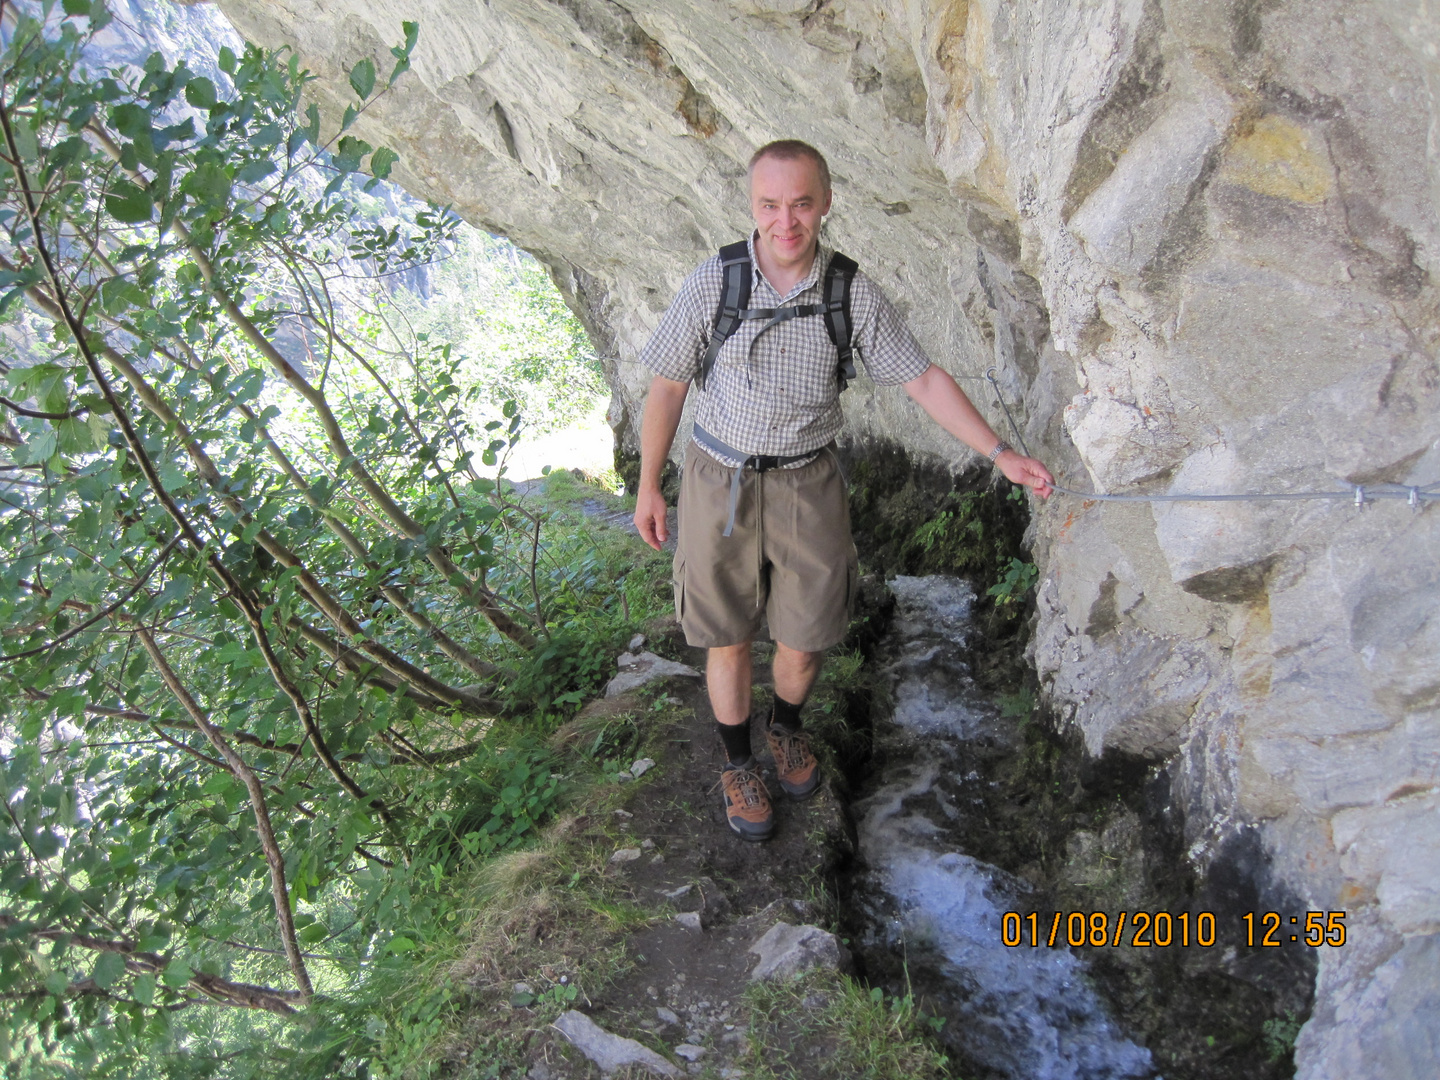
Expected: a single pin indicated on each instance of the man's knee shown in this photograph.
(804, 656)
(799, 660)
(723, 653)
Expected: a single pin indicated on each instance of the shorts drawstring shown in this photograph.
(761, 463)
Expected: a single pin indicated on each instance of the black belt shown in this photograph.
(759, 462)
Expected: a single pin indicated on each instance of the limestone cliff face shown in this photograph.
(1199, 241)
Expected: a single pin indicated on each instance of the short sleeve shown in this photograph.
(889, 352)
(675, 349)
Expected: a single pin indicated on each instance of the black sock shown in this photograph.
(786, 715)
(737, 740)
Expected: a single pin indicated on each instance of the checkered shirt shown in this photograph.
(776, 392)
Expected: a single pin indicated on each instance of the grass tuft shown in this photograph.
(825, 1024)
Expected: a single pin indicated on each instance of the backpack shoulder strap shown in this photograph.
(838, 276)
(734, 296)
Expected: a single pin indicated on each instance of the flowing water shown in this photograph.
(1021, 1013)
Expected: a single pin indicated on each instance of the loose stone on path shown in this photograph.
(637, 669)
(608, 1051)
(787, 950)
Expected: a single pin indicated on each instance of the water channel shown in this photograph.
(1012, 1013)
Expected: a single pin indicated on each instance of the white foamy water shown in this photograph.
(1025, 1013)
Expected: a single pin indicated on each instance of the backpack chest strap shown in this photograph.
(735, 295)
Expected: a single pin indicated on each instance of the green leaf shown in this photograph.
(227, 60)
(400, 944)
(362, 78)
(75, 7)
(209, 183)
(348, 153)
(108, 969)
(25, 141)
(255, 171)
(218, 782)
(129, 204)
(248, 384)
(131, 120)
(45, 844)
(177, 588)
(200, 92)
(68, 701)
(314, 933)
(99, 425)
(381, 161)
(10, 297)
(176, 974)
(143, 989)
(41, 448)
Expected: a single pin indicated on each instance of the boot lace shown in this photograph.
(794, 750)
(744, 787)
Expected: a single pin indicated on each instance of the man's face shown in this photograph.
(787, 201)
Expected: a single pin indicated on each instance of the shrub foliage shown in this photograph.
(262, 599)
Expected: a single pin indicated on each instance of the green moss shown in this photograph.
(914, 518)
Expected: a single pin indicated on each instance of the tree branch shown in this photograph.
(221, 991)
(37, 415)
(159, 559)
(246, 775)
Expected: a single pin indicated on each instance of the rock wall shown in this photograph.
(1197, 239)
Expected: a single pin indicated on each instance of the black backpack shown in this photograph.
(735, 262)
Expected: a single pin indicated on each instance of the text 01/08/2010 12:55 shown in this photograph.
(1162, 929)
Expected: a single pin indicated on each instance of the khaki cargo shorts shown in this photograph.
(788, 562)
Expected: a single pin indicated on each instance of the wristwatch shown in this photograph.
(1000, 448)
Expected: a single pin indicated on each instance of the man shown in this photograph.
(767, 538)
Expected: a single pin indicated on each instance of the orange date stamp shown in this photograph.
(1163, 929)
(1138, 929)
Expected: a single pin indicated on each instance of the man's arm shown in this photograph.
(663, 406)
(940, 396)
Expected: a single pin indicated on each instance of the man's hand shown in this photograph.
(663, 405)
(650, 517)
(1026, 471)
(941, 397)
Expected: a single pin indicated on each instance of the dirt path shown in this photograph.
(691, 971)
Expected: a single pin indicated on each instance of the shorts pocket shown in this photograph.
(852, 585)
(677, 577)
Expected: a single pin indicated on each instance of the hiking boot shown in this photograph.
(747, 803)
(795, 764)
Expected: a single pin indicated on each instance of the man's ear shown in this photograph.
(826, 208)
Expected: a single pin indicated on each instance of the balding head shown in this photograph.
(793, 150)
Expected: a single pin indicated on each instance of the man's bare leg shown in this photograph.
(795, 672)
(727, 677)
